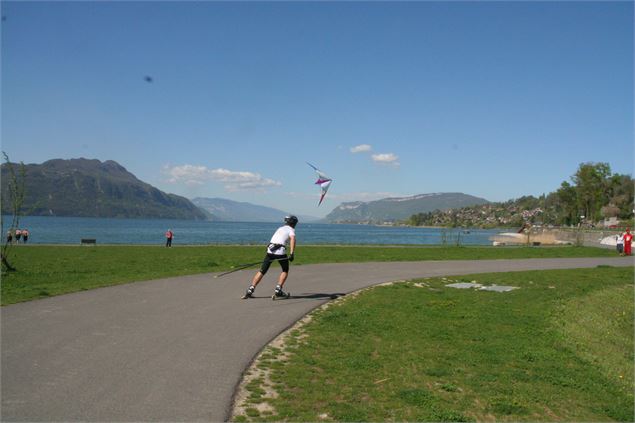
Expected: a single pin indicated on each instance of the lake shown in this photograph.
(70, 230)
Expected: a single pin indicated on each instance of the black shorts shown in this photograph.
(269, 258)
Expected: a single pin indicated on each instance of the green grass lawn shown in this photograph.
(44, 271)
(560, 348)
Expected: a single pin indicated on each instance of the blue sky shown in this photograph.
(493, 99)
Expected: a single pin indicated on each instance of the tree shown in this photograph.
(15, 192)
(592, 188)
(566, 200)
(621, 189)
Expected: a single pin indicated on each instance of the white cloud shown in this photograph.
(192, 175)
(386, 158)
(362, 148)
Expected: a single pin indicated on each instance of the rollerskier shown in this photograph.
(277, 251)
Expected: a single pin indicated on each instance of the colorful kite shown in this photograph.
(323, 181)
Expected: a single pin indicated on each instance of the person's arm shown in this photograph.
(291, 248)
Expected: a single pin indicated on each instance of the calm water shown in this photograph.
(70, 230)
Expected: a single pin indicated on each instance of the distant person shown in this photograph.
(276, 251)
(168, 238)
(628, 239)
(619, 243)
(25, 235)
(18, 234)
(9, 237)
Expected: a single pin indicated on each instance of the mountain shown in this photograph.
(91, 188)
(234, 211)
(401, 208)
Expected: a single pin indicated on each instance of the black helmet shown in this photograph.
(291, 220)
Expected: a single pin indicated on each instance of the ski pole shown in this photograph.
(245, 266)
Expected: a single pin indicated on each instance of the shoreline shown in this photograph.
(448, 245)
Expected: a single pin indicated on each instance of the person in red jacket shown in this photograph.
(628, 238)
(168, 238)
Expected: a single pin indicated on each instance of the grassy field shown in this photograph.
(52, 270)
(559, 348)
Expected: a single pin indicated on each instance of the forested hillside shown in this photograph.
(91, 188)
(593, 195)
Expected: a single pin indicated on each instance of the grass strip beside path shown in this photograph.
(559, 348)
(44, 271)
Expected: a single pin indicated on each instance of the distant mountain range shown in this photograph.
(90, 188)
(401, 208)
(234, 211)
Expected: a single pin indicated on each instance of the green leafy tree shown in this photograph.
(566, 201)
(592, 188)
(621, 189)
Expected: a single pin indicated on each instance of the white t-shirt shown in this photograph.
(281, 237)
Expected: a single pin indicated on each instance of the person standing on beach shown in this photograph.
(628, 239)
(18, 234)
(168, 238)
(9, 237)
(25, 235)
(277, 251)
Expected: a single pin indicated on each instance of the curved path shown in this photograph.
(174, 349)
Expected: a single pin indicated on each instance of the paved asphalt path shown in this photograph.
(174, 349)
